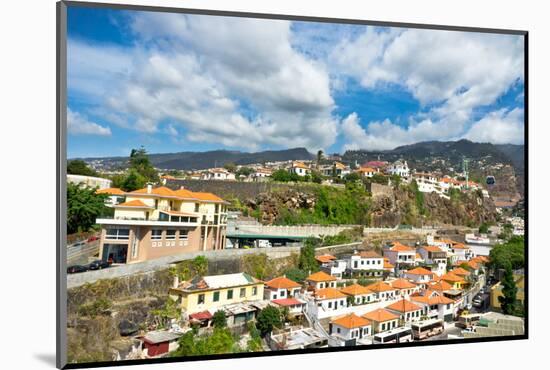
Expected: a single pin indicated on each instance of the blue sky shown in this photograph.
(174, 82)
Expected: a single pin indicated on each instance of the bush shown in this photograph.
(97, 307)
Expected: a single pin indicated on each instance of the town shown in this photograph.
(414, 283)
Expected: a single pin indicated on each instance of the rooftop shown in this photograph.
(351, 321)
(320, 276)
(282, 282)
(380, 315)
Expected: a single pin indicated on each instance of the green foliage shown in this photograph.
(316, 177)
(97, 307)
(230, 166)
(139, 161)
(418, 197)
(79, 167)
(269, 318)
(352, 177)
(169, 311)
(255, 342)
(395, 180)
(296, 274)
(219, 320)
(510, 253)
(307, 261)
(220, 341)
(508, 302)
(378, 178)
(83, 207)
(132, 181)
(283, 175)
(484, 228)
(200, 264)
(257, 265)
(365, 281)
(245, 171)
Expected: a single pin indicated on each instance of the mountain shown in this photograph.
(215, 158)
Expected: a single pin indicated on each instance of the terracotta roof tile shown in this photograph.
(329, 293)
(133, 203)
(380, 315)
(356, 289)
(320, 276)
(380, 286)
(404, 306)
(419, 271)
(282, 282)
(351, 321)
(110, 191)
(402, 284)
(324, 258)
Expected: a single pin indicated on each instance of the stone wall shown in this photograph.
(379, 190)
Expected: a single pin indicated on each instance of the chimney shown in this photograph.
(176, 282)
(182, 187)
(149, 188)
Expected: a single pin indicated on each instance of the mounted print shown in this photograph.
(238, 185)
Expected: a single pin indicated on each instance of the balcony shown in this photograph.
(142, 221)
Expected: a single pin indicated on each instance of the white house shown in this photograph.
(330, 299)
(406, 310)
(435, 256)
(400, 253)
(400, 168)
(427, 183)
(435, 305)
(300, 169)
(367, 172)
(295, 306)
(350, 327)
(281, 287)
(217, 174)
(359, 294)
(366, 261)
(405, 287)
(261, 174)
(419, 275)
(321, 280)
(383, 291)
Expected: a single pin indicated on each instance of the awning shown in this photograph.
(201, 316)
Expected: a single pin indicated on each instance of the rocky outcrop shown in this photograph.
(269, 205)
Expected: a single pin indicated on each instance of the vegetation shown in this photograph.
(484, 228)
(378, 178)
(95, 308)
(219, 320)
(140, 172)
(508, 301)
(220, 341)
(83, 207)
(200, 264)
(268, 319)
(169, 311)
(244, 171)
(332, 206)
(418, 197)
(510, 253)
(230, 166)
(79, 167)
(307, 261)
(255, 342)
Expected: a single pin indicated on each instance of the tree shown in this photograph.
(139, 161)
(319, 158)
(296, 274)
(268, 318)
(378, 178)
(512, 252)
(508, 301)
(281, 175)
(83, 207)
(79, 167)
(219, 320)
(484, 228)
(230, 166)
(307, 261)
(200, 264)
(316, 177)
(133, 181)
(352, 177)
(244, 171)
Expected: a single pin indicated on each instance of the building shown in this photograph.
(217, 174)
(419, 275)
(367, 172)
(261, 174)
(359, 294)
(337, 169)
(398, 253)
(115, 196)
(159, 343)
(295, 306)
(211, 293)
(383, 291)
(365, 263)
(281, 287)
(406, 310)
(427, 183)
(400, 168)
(330, 299)
(456, 282)
(435, 305)
(300, 169)
(158, 222)
(405, 287)
(382, 320)
(350, 327)
(90, 181)
(434, 256)
(296, 338)
(321, 280)
(496, 291)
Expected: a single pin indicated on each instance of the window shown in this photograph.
(197, 207)
(184, 234)
(283, 292)
(216, 297)
(156, 234)
(242, 293)
(394, 324)
(254, 290)
(383, 326)
(338, 330)
(330, 305)
(217, 208)
(201, 299)
(170, 234)
(230, 294)
(117, 234)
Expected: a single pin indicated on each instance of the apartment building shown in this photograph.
(158, 222)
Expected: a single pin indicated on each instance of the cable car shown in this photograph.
(490, 180)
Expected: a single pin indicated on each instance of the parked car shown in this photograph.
(477, 302)
(76, 268)
(93, 238)
(98, 265)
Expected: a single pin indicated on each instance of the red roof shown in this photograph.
(203, 315)
(287, 302)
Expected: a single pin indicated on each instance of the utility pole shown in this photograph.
(465, 168)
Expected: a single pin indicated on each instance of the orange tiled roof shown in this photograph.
(404, 306)
(402, 284)
(300, 165)
(320, 276)
(441, 285)
(473, 264)
(366, 169)
(396, 246)
(355, 289)
(459, 246)
(450, 277)
(162, 191)
(418, 256)
(181, 193)
(432, 299)
(329, 293)
(111, 191)
(133, 203)
(388, 265)
(369, 254)
(380, 315)
(184, 193)
(419, 271)
(431, 248)
(460, 271)
(207, 196)
(351, 321)
(282, 282)
(324, 258)
(379, 286)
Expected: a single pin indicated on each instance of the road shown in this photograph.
(453, 330)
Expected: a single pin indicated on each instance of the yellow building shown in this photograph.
(210, 293)
(158, 222)
(496, 291)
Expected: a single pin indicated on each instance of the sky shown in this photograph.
(176, 82)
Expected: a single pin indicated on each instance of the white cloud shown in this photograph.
(499, 127)
(79, 125)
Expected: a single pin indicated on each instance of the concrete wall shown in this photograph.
(301, 231)
(214, 256)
